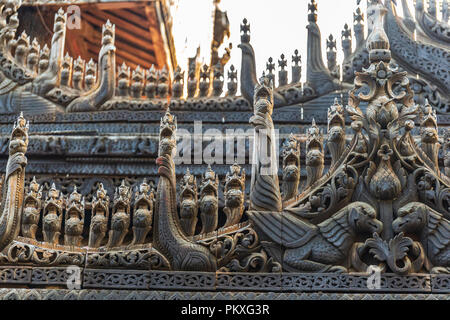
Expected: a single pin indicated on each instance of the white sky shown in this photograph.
(277, 26)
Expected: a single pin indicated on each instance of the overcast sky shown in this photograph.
(277, 26)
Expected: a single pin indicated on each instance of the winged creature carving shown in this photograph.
(433, 231)
(304, 247)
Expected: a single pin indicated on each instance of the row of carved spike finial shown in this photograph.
(346, 41)
(358, 27)
(73, 72)
(210, 82)
(36, 59)
(282, 72)
(152, 83)
(55, 204)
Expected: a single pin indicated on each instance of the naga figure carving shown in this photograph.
(143, 213)
(234, 195)
(304, 247)
(291, 167)
(265, 190)
(209, 202)
(100, 217)
(74, 223)
(336, 131)
(432, 231)
(95, 97)
(32, 206)
(314, 155)
(13, 183)
(51, 77)
(53, 214)
(120, 221)
(168, 236)
(188, 204)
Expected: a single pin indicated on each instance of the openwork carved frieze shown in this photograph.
(146, 258)
(19, 252)
(372, 192)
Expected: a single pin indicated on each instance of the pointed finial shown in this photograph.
(245, 31)
(378, 42)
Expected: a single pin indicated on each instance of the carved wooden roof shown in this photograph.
(143, 35)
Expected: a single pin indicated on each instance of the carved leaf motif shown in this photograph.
(378, 247)
(370, 172)
(399, 246)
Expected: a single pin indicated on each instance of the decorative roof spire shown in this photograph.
(312, 8)
(245, 31)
